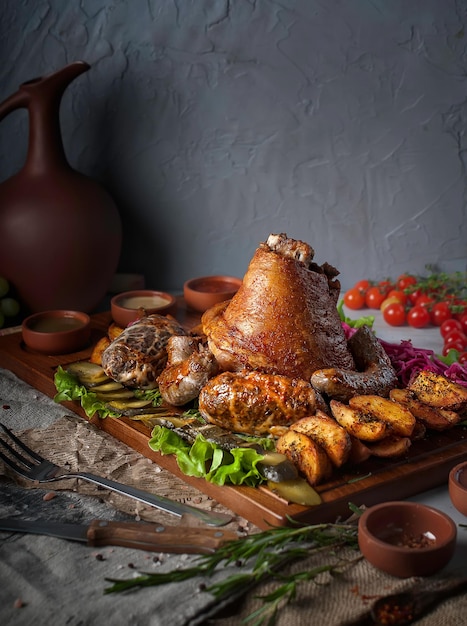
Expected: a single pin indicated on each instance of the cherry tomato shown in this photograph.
(463, 321)
(353, 299)
(455, 345)
(387, 301)
(456, 336)
(405, 280)
(462, 358)
(394, 314)
(362, 286)
(461, 309)
(413, 296)
(398, 294)
(418, 317)
(424, 300)
(440, 313)
(448, 326)
(374, 298)
(385, 286)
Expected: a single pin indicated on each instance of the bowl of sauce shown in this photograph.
(458, 487)
(57, 331)
(204, 292)
(129, 306)
(405, 539)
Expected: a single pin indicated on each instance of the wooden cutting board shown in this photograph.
(427, 464)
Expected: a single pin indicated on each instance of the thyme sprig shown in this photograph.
(263, 555)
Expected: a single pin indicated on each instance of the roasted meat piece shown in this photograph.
(376, 374)
(253, 402)
(283, 320)
(189, 367)
(139, 354)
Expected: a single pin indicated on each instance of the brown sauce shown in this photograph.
(56, 324)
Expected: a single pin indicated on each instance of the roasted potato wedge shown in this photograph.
(326, 432)
(359, 452)
(433, 418)
(391, 447)
(399, 418)
(360, 423)
(309, 457)
(438, 391)
(96, 354)
(114, 331)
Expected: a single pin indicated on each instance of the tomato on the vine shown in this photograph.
(418, 317)
(374, 297)
(413, 296)
(398, 295)
(424, 300)
(362, 286)
(405, 281)
(388, 301)
(455, 345)
(394, 314)
(456, 336)
(440, 312)
(353, 299)
(463, 322)
(448, 326)
(385, 286)
(462, 358)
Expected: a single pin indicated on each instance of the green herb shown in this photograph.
(262, 556)
(367, 320)
(208, 460)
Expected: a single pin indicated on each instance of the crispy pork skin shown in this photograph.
(253, 402)
(189, 366)
(139, 354)
(283, 320)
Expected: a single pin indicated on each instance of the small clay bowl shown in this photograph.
(406, 539)
(204, 292)
(129, 306)
(57, 332)
(458, 487)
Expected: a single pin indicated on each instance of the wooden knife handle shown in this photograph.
(157, 537)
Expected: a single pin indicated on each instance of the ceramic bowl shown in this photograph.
(204, 292)
(57, 332)
(458, 487)
(126, 307)
(406, 539)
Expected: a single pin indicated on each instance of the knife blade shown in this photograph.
(137, 535)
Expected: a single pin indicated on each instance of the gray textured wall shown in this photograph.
(216, 122)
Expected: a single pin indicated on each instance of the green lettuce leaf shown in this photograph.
(204, 459)
(70, 389)
(366, 320)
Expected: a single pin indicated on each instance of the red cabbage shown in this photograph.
(408, 361)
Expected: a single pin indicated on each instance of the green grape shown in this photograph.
(9, 307)
(4, 286)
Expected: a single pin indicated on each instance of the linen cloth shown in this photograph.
(44, 580)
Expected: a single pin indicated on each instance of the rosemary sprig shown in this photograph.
(263, 555)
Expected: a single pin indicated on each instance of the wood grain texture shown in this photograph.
(426, 465)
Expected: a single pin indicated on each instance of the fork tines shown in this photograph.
(27, 463)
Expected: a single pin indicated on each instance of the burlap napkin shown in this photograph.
(71, 587)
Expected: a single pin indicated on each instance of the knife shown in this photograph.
(139, 535)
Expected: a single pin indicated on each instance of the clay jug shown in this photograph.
(60, 232)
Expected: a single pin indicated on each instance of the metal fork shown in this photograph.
(43, 471)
